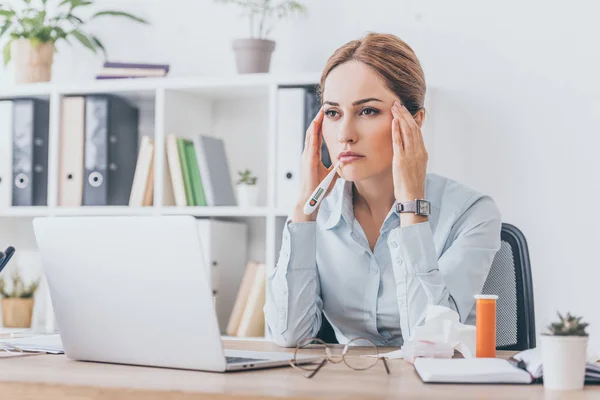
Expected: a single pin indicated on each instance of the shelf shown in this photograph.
(216, 211)
(75, 211)
(125, 210)
(218, 86)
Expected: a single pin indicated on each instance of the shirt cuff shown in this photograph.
(412, 247)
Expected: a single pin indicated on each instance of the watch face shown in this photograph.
(424, 208)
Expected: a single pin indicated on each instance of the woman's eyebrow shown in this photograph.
(356, 103)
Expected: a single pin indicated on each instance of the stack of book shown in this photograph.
(199, 172)
(116, 70)
(247, 317)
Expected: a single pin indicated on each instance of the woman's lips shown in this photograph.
(349, 158)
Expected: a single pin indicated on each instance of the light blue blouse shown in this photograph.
(327, 266)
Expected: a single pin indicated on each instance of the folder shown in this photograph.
(6, 111)
(111, 137)
(71, 143)
(30, 152)
(290, 134)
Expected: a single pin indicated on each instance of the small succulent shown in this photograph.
(246, 178)
(19, 288)
(569, 325)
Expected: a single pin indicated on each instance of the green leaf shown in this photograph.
(7, 53)
(120, 14)
(7, 13)
(76, 3)
(100, 46)
(84, 40)
(75, 18)
(5, 28)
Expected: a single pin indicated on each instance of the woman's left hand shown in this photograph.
(410, 156)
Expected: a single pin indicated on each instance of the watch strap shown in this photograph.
(418, 206)
(406, 207)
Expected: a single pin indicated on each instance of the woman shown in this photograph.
(365, 259)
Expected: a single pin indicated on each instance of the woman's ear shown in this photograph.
(419, 117)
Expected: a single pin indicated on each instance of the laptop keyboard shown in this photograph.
(237, 360)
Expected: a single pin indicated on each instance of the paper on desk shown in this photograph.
(50, 344)
(442, 325)
(392, 355)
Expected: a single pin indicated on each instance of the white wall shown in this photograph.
(518, 104)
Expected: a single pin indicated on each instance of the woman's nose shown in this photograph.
(347, 133)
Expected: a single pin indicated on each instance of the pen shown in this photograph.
(8, 253)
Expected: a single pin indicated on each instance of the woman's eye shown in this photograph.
(369, 111)
(330, 113)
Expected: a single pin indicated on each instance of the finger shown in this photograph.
(406, 131)
(397, 137)
(316, 134)
(415, 130)
(315, 123)
(335, 178)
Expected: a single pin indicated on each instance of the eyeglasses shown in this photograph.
(7, 349)
(359, 354)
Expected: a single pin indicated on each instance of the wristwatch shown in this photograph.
(418, 206)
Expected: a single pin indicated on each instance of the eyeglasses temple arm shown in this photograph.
(387, 369)
(313, 373)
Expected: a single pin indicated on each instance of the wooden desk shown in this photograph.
(52, 377)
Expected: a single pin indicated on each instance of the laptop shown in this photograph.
(134, 290)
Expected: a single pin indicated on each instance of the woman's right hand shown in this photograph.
(312, 169)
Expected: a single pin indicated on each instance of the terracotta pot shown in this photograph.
(17, 313)
(33, 63)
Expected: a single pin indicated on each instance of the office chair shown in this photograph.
(510, 279)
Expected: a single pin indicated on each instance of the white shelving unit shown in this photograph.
(240, 109)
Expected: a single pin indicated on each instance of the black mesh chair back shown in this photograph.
(510, 280)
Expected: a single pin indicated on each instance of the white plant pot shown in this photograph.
(247, 195)
(564, 359)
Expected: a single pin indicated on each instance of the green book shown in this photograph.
(185, 171)
(197, 188)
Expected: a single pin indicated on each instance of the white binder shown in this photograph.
(290, 136)
(70, 165)
(225, 250)
(6, 159)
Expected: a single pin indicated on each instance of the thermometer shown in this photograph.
(316, 197)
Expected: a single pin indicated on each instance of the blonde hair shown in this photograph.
(392, 59)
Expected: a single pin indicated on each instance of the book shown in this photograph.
(196, 180)
(143, 182)
(214, 171)
(242, 298)
(252, 322)
(185, 172)
(524, 367)
(119, 70)
(174, 166)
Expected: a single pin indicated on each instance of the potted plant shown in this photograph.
(247, 191)
(253, 54)
(34, 31)
(564, 353)
(17, 303)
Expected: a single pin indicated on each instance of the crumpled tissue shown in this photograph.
(442, 325)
